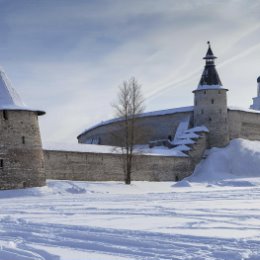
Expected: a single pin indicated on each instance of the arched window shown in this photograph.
(210, 119)
(212, 101)
(205, 92)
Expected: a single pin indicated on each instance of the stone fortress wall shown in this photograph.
(244, 124)
(24, 156)
(85, 166)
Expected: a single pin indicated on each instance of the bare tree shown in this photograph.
(129, 104)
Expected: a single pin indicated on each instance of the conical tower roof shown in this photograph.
(210, 78)
(209, 54)
(9, 98)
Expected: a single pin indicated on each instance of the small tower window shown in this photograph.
(5, 115)
(202, 111)
(23, 139)
(205, 92)
(210, 119)
(1, 163)
(219, 92)
(212, 101)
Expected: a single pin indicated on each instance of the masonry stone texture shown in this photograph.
(108, 167)
(22, 161)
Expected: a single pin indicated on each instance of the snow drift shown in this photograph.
(240, 159)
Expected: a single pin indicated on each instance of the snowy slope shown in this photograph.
(240, 159)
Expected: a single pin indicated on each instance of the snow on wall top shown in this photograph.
(106, 149)
(197, 129)
(9, 98)
(243, 109)
(147, 114)
(165, 112)
(182, 127)
(205, 87)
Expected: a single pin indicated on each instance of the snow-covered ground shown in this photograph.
(215, 214)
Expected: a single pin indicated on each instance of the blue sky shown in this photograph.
(68, 57)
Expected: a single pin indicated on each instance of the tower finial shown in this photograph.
(209, 54)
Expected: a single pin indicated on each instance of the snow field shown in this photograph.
(212, 215)
(80, 220)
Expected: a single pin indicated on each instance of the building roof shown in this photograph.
(210, 75)
(9, 98)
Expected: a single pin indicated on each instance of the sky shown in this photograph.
(69, 57)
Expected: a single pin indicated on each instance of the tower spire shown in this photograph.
(209, 54)
(210, 75)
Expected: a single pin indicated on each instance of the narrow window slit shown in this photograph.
(5, 115)
(1, 163)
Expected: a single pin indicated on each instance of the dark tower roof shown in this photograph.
(210, 75)
(209, 54)
(258, 79)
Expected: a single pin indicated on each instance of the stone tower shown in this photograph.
(256, 100)
(21, 155)
(210, 103)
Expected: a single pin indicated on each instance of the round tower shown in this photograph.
(21, 155)
(210, 103)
